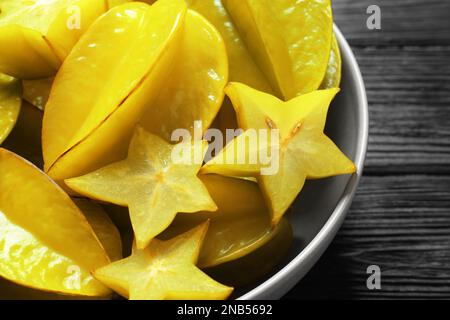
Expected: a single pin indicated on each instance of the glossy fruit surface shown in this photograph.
(150, 184)
(198, 79)
(46, 243)
(25, 139)
(10, 102)
(37, 35)
(302, 150)
(90, 116)
(289, 40)
(112, 99)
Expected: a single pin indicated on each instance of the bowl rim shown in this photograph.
(286, 278)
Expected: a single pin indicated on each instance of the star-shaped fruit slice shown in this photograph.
(152, 183)
(299, 151)
(37, 35)
(164, 270)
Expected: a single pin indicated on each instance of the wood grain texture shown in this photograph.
(408, 92)
(403, 22)
(400, 219)
(402, 224)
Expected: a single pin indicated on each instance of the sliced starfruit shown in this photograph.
(37, 35)
(90, 116)
(37, 91)
(25, 139)
(240, 226)
(301, 151)
(151, 184)
(45, 241)
(259, 263)
(104, 228)
(195, 89)
(242, 67)
(164, 270)
(10, 92)
(334, 71)
(290, 40)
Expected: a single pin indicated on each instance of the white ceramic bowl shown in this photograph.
(321, 208)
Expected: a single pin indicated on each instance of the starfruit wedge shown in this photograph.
(90, 116)
(152, 183)
(195, 89)
(37, 35)
(242, 67)
(25, 139)
(290, 40)
(10, 91)
(45, 241)
(259, 263)
(334, 71)
(104, 228)
(37, 91)
(164, 270)
(240, 226)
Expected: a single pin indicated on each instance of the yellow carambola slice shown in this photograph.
(242, 67)
(289, 40)
(195, 88)
(105, 84)
(37, 35)
(164, 270)
(10, 91)
(45, 241)
(241, 225)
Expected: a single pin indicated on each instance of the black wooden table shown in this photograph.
(400, 219)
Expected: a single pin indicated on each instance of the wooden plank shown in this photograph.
(409, 102)
(400, 223)
(403, 22)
